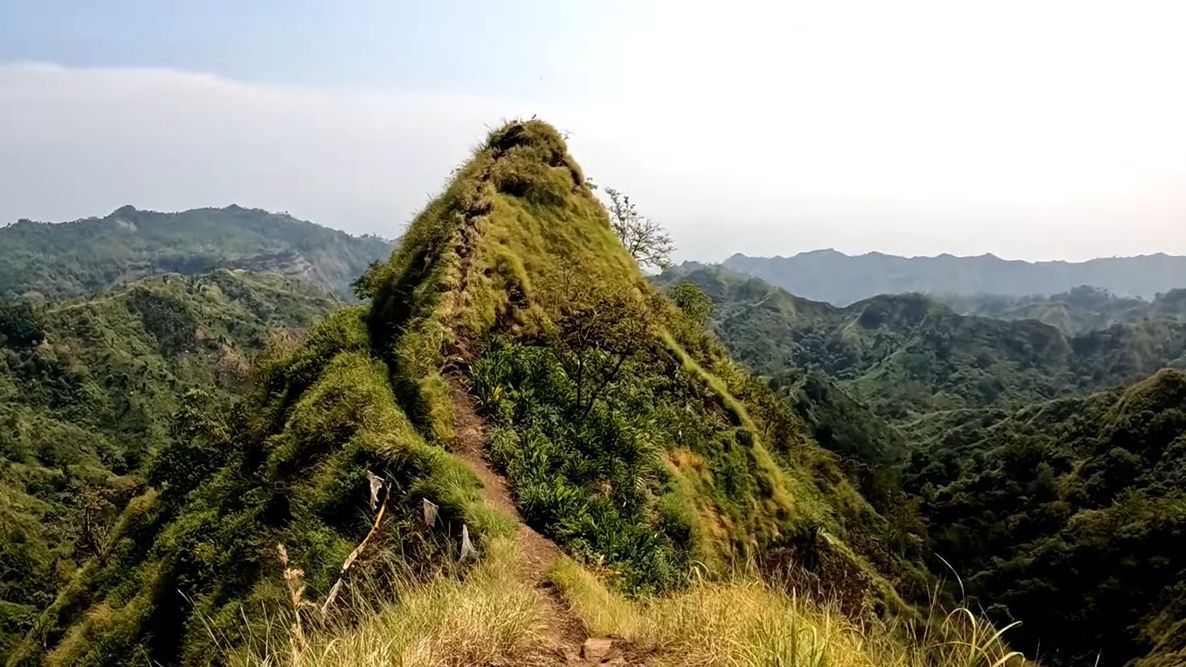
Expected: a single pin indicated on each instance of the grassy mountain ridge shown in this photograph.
(87, 391)
(67, 260)
(543, 289)
(831, 276)
(625, 433)
(909, 354)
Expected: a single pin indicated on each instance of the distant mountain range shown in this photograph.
(66, 260)
(840, 279)
(909, 354)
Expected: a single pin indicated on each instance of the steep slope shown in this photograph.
(87, 390)
(625, 436)
(827, 275)
(197, 551)
(1069, 516)
(626, 433)
(67, 260)
(1061, 514)
(907, 355)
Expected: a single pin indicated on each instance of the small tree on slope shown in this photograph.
(643, 238)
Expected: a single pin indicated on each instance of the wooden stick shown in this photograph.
(333, 592)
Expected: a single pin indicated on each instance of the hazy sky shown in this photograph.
(1028, 129)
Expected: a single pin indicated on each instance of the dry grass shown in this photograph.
(490, 616)
(487, 617)
(752, 624)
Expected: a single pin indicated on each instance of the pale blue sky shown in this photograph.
(517, 49)
(1035, 129)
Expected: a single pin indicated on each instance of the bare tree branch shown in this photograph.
(643, 238)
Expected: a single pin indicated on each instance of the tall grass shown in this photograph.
(483, 616)
(489, 615)
(751, 623)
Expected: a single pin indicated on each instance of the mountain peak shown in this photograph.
(526, 225)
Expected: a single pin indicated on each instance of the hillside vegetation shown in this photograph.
(908, 355)
(1069, 515)
(700, 521)
(626, 433)
(827, 275)
(65, 260)
(1058, 506)
(87, 393)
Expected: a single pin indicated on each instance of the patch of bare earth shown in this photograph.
(570, 642)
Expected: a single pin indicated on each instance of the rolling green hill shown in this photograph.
(65, 260)
(1059, 507)
(88, 388)
(907, 355)
(1069, 516)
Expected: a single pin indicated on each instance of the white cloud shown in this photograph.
(1027, 129)
(83, 142)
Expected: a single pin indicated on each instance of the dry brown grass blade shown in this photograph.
(337, 587)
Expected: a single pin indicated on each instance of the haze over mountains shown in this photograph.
(840, 279)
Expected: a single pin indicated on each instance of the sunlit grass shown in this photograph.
(749, 622)
(491, 616)
(484, 616)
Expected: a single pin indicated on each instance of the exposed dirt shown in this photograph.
(566, 632)
(571, 644)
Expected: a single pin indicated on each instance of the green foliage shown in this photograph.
(692, 300)
(1066, 515)
(908, 355)
(59, 261)
(365, 285)
(840, 423)
(596, 332)
(197, 441)
(19, 326)
(585, 476)
(93, 401)
(166, 318)
(288, 466)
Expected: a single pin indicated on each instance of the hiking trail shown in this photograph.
(571, 642)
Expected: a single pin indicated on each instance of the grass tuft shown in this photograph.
(749, 622)
(486, 617)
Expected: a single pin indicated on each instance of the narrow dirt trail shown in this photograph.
(566, 632)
